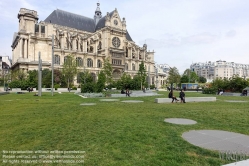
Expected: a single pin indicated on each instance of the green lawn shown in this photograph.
(116, 133)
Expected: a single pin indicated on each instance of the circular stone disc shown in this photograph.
(88, 104)
(222, 141)
(132, 101)
(180, 121)
(235, 101)
(109, 99)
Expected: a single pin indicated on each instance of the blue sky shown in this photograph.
(180, 31)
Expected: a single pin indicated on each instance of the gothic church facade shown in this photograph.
(89, 40)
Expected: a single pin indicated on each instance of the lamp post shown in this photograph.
(6, 71)
(52, 66)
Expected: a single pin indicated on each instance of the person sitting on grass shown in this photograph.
(172, 96)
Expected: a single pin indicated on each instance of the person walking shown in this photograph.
(173, 97)
(182, 96)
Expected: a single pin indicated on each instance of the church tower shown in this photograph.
(97, 15)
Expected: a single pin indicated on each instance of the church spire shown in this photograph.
(97, 15)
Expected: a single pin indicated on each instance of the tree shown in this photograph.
(142, 74)
(202, 79)
(32, 78)
(101, 82)
(46, 78)
(192, 76)
(107, 69)
(184, 79)
(174, 76)
(18, 75)
(69, 69)
(88, 85)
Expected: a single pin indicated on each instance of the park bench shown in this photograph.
(187, 99)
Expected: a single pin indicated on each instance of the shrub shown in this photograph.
(211, 90)
(56, 86)
(152, 86)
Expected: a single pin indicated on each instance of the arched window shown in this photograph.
(57, 59)
(133, 67)
(99, 63)
(126, 66)
(66, 59)
(79, 62)
(89, 62)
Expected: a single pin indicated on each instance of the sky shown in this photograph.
(181, 32)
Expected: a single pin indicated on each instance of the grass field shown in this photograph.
(116, 133)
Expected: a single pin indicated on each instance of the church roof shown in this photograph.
(68, 19)
(76, 21)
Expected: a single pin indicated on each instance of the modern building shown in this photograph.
(89, 40)
(220, 69)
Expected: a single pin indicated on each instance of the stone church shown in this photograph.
(89, 40)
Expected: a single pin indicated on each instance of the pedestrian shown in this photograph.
(127, 92)
(173, 97)
(182, 96)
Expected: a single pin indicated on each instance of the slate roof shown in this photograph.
(68, 19)
(76, 21)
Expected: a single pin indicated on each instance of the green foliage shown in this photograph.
(32, 79)
(88, 85)
(184, 79)
(174, 76)
(56, 86)
(152, 86)
(234, 84)
(69, 69)
(100, 85)
(191, 75)
(142, 74)
(210, 90)
(107, 69)
(18, 75)
(202, 79)
(19, 84)
(124, 82)
(46, 78)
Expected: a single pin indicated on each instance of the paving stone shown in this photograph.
(132, 101)
(218, 140)
(180, 121)
(84, 104)
(109, 100)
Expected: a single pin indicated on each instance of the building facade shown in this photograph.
(5, 64)
(89, 40)
(162, 73)
(220, 69)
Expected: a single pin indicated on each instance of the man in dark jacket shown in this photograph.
(182, 96)
(172, 96)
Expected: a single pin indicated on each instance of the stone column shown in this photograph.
(74, 44)
(79, 46)
(84, 45)
(25, 49)
(20, 47)
(96, 47)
